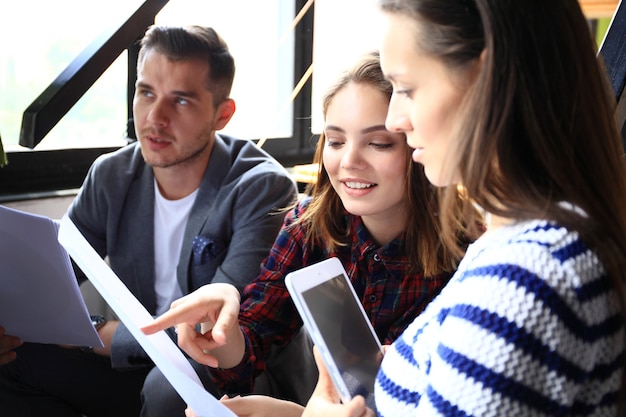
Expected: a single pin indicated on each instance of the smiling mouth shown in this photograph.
(358, 185)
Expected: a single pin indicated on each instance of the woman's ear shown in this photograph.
(481, 61)
(476, 66)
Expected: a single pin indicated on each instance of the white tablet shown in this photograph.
(336, 321)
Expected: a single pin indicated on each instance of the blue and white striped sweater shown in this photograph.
(528, 326)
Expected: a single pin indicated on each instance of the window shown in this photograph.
(259, 36)
(40, 39)
(272, 55)
(260, 40)
(344, 30)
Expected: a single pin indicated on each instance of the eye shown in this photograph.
(407, 93)
(146, 93)
(333, 143)
(182, 101)
(381, 146)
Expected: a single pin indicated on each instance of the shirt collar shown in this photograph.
(362, 243)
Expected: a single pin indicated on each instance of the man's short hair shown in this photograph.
(194, 42)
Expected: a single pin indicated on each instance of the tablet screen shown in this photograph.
(348, 338)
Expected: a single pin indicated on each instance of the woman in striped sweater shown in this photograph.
(508, 99)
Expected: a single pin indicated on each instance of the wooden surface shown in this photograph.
(597, 9)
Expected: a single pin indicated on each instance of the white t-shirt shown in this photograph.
(170, 220)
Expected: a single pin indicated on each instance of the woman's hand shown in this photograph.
(262, 406)
(325, 400)
(216, 308)
(258, 406)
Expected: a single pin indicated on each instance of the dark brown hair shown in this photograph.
(194, 42)
(539, 126)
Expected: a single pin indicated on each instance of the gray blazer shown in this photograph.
(236, 213)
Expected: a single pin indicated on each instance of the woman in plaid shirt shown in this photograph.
(371, 207)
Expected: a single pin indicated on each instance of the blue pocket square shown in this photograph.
(204, 249)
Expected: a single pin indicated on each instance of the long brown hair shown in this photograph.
(539, 126)
(325, 214)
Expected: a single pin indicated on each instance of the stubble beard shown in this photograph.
(186, 158)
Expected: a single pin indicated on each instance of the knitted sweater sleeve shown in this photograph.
(527, 328)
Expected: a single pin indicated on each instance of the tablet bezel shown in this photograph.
(307, 278)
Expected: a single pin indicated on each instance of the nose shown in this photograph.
(352, 157)
(158, 113)
(397, 119)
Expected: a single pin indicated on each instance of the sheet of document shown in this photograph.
(40, 300)
(163, 351)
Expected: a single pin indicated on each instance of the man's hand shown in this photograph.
(216, 308)
(106, 333)
(7, 344)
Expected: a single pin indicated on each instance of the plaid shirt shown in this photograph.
(391, 297)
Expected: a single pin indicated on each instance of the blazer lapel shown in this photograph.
(141, 237)
(217, 169)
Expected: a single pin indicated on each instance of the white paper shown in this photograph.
(40, 301)
(163, 351)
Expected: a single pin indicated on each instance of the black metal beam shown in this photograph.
(59, 97)
(613, 51)
(133, 58)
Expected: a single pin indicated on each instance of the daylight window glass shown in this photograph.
(41, 38)
(344, 30)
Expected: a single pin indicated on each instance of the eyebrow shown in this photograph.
(370, 129)
(179, 93)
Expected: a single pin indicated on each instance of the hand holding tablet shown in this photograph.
(336, 321)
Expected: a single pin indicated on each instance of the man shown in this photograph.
(179, 209)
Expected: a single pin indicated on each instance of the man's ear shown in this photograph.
(224, 112)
